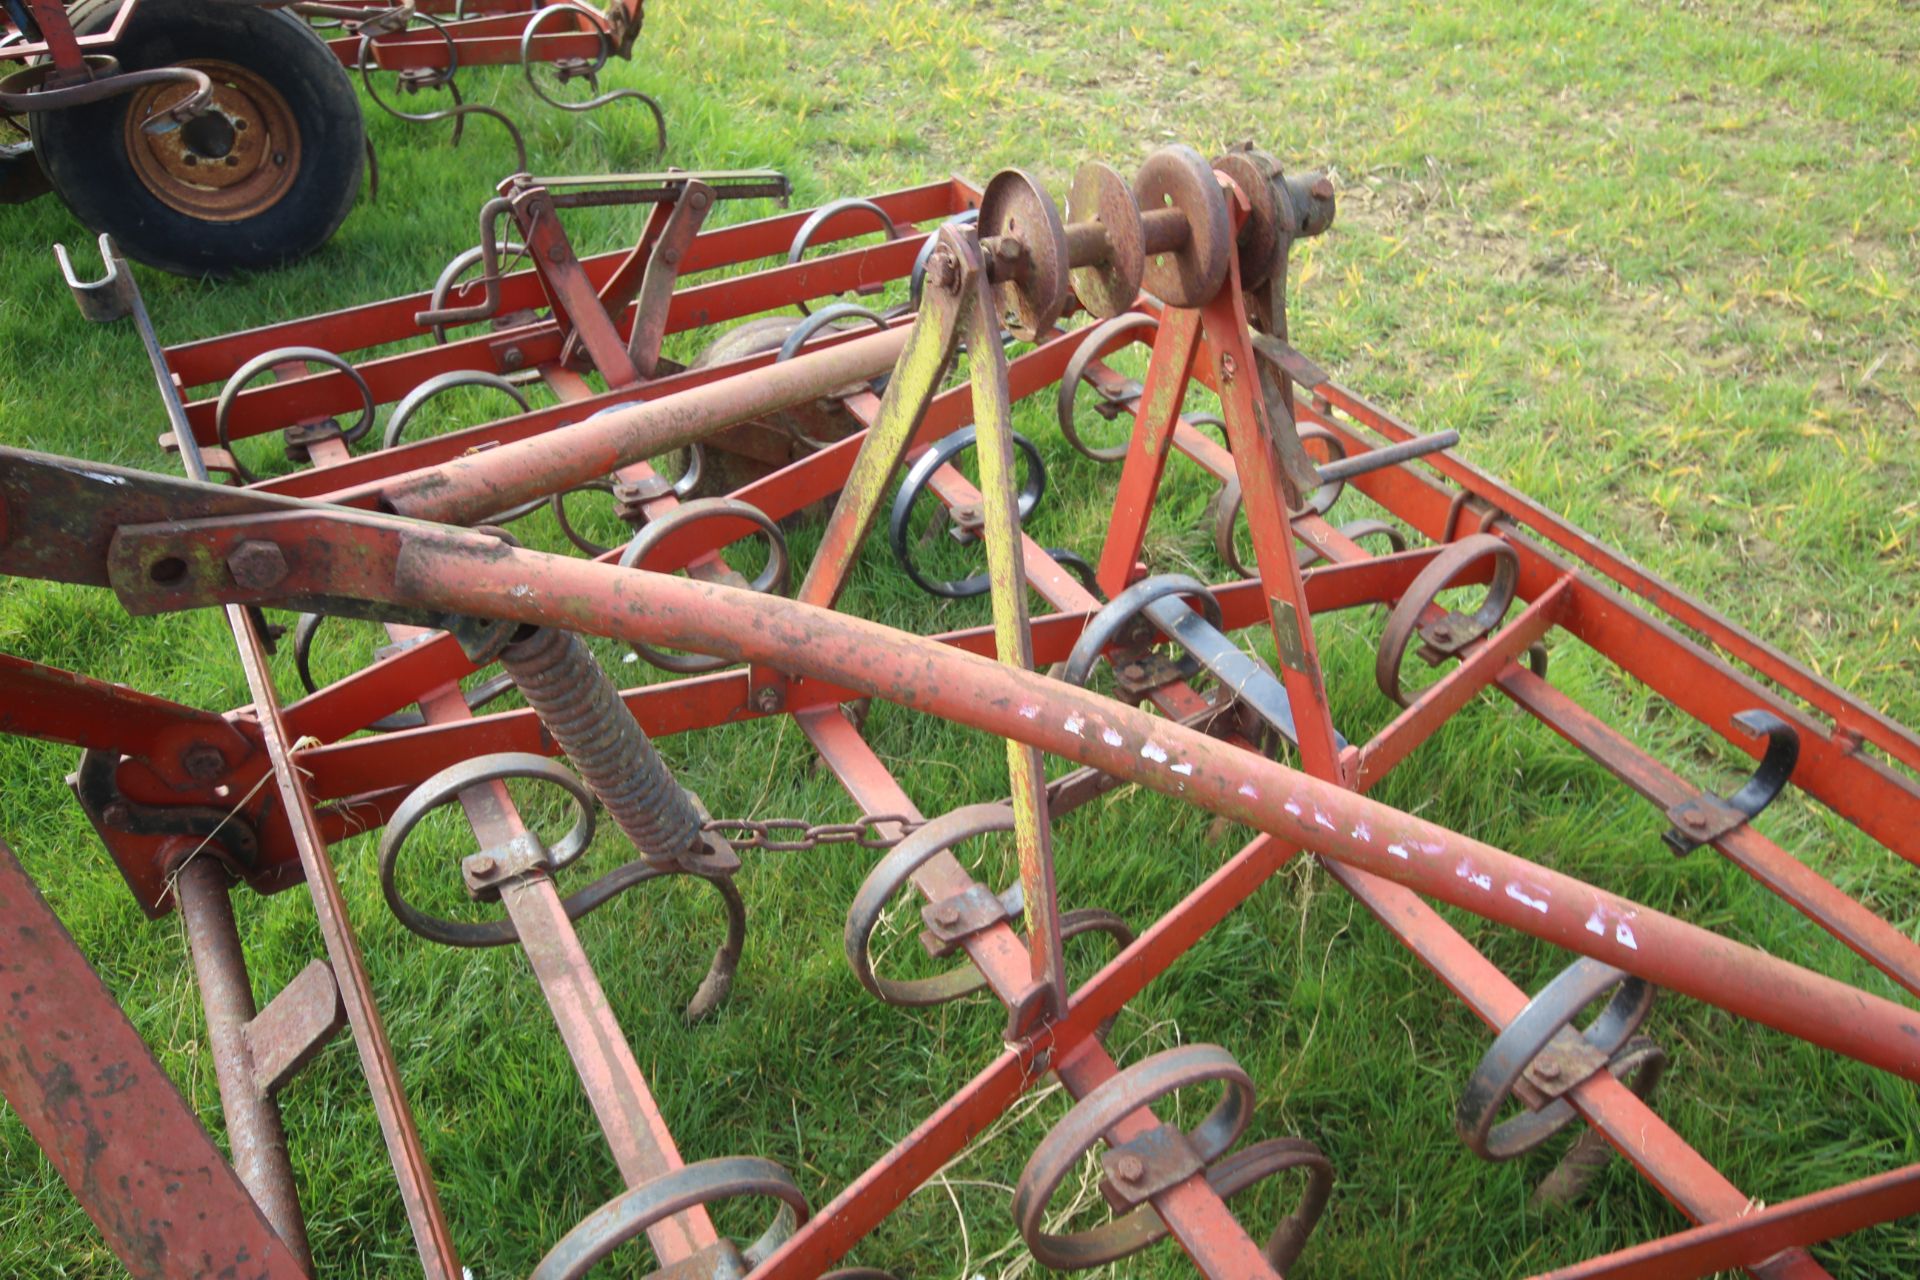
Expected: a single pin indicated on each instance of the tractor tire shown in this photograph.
(262, 177)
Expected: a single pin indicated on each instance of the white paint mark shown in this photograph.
(1031, 713)
(1524, 898)
(1478, 879)
(520, 590)
(1431, 850)
(1596, 923)
(1399, 851)
(1111, 738)
(103, 477)
(1074, 724)
(1185, 768)
(1624, 936)
(1246, 789)
(1360, 832)
(1155, 752)
(1293, 807)
(1324, 820)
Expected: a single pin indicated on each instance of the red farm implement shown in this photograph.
(826, 413)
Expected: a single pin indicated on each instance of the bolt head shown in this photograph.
(943, 270)
(1228, 368)
(203, 763)
(946, 917)
(1129, 1168)
(1695, 819)
(1547, 1070)
(768, 699)
(1133, 671)
(556, 253)
(482, 865)
(257, 565)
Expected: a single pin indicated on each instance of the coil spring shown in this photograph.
(565, 685)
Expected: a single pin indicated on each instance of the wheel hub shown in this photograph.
(235, 160)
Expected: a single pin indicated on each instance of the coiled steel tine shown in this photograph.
(449, 280)
(1084, 1127)
(253, 368)
(971, 911)
(807, 330)
(773, 578)
(591, 72)
(920, 475)
(1091, 348)
(104, 300)
(1543, 1027)
(445, 787)
(803, 238)
(1105, 627)
(887, 878)
(1208, 647)
(1448, 634)
(442, 382)
(309, 625)
(1708, 817)
(1226, 503)
(628, 1214)
(457, 112)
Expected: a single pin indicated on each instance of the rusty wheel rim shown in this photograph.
(237, 159)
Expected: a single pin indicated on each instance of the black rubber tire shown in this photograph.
(83, 152)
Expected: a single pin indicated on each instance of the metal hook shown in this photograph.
(104, 300)
(1707, 817)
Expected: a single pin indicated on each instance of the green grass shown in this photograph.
(1656, 264)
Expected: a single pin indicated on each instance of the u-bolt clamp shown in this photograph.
(1160, 1159)
(1538, 1057)
(1707, 817)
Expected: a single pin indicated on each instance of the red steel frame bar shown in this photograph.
(82, 1079)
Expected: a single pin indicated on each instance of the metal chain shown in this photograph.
(746, 833)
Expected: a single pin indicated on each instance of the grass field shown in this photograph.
(1656, 263)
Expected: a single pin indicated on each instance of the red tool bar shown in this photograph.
(212, 360)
